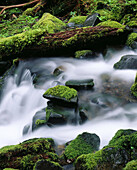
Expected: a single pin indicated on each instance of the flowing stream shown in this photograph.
(20, 99)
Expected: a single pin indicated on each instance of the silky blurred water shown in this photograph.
(20, 99)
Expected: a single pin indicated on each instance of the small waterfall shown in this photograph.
(20, 99)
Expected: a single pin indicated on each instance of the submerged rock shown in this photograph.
(62, 95)
(127, 62)
(120, 150)
(80, 84)
(83, 144)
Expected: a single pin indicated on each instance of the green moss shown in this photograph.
(134, 87)
(111, 24)
(29, 12)
(40, 122)
(18, 42)
(105, 14)
(50, 23)
(132, 165)
(132, 24)
(131, 38)
(89, 161)
(83, 144)
(78, 54)
(78, 19)
(18, 25)
(62, 92)
(24, 155)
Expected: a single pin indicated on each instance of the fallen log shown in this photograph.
(39, 43)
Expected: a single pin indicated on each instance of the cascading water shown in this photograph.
(20, 100)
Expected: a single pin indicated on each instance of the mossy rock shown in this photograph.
(83, 54)
(134, 89)
(45, 164)
(83, 144)
(50, 23)
(127, 62)
(120, 150)
(112, 24)
(105, 14)
(132, 38)
(80, 84)
(62, 94)
(132, 165)
(78, 19)
(132, 24)
(26, 154)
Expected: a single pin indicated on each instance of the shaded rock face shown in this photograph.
(80, 84)
(83, 144)
(92, 20)
(45, 164)
(127, 62)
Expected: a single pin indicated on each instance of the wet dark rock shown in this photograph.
(92, 20)
(83, 116)
(26, 129)
(127, 62)
(39, 119)
(45, 164)
(58, 70)
(59, 115)
(80, 84)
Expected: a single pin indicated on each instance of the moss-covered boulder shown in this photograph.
(134, 87)
(80, 84)
(27, 153)
(62, 95)
(83, 144)
(120, 150)
(77, 20)
(84, 54)
(50, 23)
(112, 24)
(132, 165)
(127, 62)
(132, 40)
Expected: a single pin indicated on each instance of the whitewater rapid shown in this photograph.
(20, 99)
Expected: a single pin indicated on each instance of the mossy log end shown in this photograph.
(39, 43)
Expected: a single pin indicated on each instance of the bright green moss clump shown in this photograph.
(79, 54)
(112, 24)
(132, 165)
(50, 23)
(131, 38)
(83, 144)
(78, 19)
(62, 92)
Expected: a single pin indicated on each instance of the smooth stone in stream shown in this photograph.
(80, 84)
(127, 62)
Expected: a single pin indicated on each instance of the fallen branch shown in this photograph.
(19, 5)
